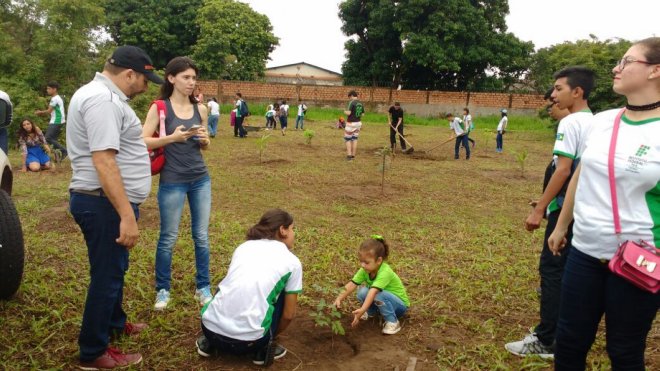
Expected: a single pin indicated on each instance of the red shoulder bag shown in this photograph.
(157, 155)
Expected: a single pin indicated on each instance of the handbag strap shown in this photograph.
(610, 172)
(160, 107)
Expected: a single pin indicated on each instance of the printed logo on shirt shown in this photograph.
(560, 137)
(637, 161)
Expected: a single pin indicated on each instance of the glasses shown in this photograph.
(627, 60)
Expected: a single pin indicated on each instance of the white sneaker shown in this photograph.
(530, 345)
(162, 298)
(203, 295)
(391, 328)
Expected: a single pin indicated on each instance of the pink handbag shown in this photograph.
(637, 262)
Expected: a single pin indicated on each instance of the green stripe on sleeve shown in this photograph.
(653, 203)
(563, 154)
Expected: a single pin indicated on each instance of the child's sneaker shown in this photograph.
(162, 298)
(204, 348)
(267, 354)
(203, 295)
(391, 328)
(112, 358)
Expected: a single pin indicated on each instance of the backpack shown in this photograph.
(244, 109)
(157, 155)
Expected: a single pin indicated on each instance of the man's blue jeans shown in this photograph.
(108, 262)
(462, 140)
(213, 124)
(171, 198)
(301, 120)
(388, 304)
(590, 290)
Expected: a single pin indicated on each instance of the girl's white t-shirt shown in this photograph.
(260, 271)
(637, 176)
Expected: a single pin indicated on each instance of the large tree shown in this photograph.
(448, 44)
(163, 28)
(235, 41)
(600, 56)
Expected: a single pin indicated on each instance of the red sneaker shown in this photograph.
(112, 358)
(131, 329)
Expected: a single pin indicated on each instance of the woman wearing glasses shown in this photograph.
(589, 288)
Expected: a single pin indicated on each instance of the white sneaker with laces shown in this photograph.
(203, 295)
(530, 345)
(162, 298)
(391, 328)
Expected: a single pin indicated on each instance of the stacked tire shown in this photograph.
(11, 247)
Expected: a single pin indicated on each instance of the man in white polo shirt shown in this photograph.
(111, 178)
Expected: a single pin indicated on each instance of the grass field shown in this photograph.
(455, 227)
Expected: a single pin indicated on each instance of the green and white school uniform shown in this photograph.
(637, 176)
(385, 280)
(57, 115)
(570, 141)
(259, 272)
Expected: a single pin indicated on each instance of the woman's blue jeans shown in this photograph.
(388, 304)
(590, 290)
(171, 197)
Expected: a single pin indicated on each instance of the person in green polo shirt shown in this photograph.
(383, 291)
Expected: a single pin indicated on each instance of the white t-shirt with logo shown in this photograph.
(57, 115)
(260, 270)
(637, 175)
(214, 107)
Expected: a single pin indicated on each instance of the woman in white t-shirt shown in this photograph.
(589, 288)
(258, 297)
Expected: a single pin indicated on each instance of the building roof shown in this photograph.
(301, 63)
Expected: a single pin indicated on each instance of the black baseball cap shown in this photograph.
(132, 57)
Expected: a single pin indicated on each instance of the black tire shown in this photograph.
(12, 253)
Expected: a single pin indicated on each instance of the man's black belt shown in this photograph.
(94, 192)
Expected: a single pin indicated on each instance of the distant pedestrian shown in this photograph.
(270, 117)
(501, 129)
(469, 125)
(456, 125)
(284, 116)
(6, 112)
(395, 120)
(302, 111)
(214, 116)
(354, 111)
(241, 113)
(57, 117)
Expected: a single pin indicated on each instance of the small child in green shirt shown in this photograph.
(383, 291)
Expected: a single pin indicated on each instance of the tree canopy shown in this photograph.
(600, 56)
(235, 41)
(448, 44)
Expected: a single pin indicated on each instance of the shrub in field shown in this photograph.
(309, 135)
(326, 314)
(521, 157)
(386, 154)
(261, 144)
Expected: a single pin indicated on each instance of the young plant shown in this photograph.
(385, 153)
(261, 144)
(326, 314)
(521, 157)
(308, 134)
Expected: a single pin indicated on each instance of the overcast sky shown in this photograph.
(310, 30)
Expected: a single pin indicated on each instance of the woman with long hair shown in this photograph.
(184, 175)
(622, 153)
(32, 143)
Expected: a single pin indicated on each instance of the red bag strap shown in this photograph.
(162, 112)
(610, 171)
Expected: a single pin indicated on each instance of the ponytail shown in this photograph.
(269, 225)
(377, 246)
